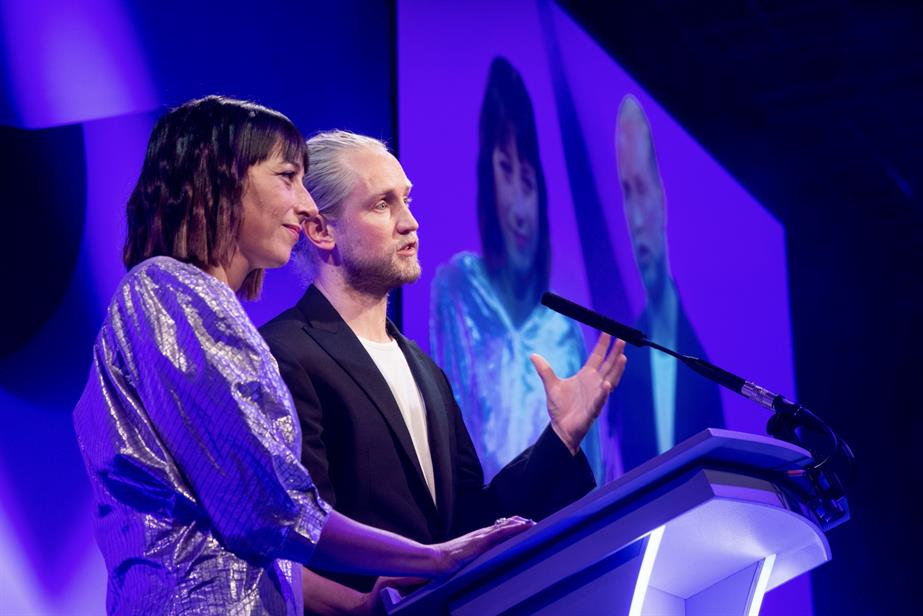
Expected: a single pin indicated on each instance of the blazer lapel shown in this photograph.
(331, 333)
(437, 422)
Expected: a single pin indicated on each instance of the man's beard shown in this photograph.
(378, 274)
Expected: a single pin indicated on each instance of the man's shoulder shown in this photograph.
(410, 346)
(283, 323)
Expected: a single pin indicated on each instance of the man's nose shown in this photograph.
(407, 223)
(635, 216)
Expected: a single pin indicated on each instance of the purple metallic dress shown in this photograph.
(192, 445)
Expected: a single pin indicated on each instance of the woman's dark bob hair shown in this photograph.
(187, 202)
(506, 114)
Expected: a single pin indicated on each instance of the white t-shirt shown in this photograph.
(393, 366)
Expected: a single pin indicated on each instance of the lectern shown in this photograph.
(706, 528)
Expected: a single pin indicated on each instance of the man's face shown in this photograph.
(376, 235)
(516, 195)
(642, 196)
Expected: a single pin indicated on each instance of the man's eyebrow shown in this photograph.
(398, 191)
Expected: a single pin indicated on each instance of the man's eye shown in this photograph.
(381, 205)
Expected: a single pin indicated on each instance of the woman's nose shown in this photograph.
(306, 206)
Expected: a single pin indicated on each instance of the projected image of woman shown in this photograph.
(189, 435)
(486, 319)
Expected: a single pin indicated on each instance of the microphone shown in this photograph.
(593, 319)
(748, 389)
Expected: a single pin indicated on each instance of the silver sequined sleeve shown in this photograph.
(192, 445)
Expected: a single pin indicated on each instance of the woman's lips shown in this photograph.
(522, 239)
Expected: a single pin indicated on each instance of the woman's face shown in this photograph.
(275, 202)
(517, 206)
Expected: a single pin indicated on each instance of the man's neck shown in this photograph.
(365, 313)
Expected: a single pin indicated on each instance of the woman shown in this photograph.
(189, 435)
(487, 319)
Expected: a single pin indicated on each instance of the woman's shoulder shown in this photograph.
(163, 274)
(464, 268)
(161, 282)
(162, 296)
(164, 267)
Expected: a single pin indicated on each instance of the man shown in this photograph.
(661, 402)
(382, 434)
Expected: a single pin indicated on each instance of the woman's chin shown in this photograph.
(277, 261)
(521, 265)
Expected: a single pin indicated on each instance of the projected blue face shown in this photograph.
(517, 206)
(642, 194)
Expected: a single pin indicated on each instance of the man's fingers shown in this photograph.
(614, 375)
(599, 351)
(544, 369)
(617, 350)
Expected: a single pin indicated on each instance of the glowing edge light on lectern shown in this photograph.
(759, 590)
(647, 568)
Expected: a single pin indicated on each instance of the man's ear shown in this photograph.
(320, 232)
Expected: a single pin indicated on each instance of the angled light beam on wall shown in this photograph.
(70, 62)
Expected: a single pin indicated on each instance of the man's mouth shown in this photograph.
(410, 248)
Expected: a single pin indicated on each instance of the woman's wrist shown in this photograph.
(437, 560)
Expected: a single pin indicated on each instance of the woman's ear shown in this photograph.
(320, 232)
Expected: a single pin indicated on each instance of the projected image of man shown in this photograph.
(662, 402)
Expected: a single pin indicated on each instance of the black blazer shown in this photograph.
(359, 452)
(697, 402)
